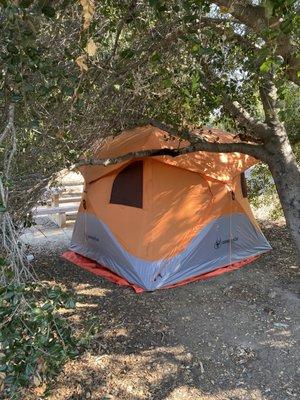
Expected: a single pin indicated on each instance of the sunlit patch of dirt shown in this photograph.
(231, 337)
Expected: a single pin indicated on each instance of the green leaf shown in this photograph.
(158, 5)
(2, 261)
(127, 53)
(69, 91)
(155, 56)
(195, 83)
(48, 11)
(25, 3)
(269, 7)
(190, 18)
(286, 26)
(266, 66)
(196, 48)
(70, 303)
(154, 3)
(167, 83)
(16, 97)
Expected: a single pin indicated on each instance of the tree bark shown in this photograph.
(286, 175)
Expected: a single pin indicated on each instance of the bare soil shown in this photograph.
(231, 337)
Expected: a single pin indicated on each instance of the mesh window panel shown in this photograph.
(127, 188)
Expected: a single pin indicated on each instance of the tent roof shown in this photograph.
(219, 166)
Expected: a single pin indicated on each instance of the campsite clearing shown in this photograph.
(230, 337)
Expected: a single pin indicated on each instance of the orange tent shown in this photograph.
(159, 221)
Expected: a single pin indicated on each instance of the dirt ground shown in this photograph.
(231, 337)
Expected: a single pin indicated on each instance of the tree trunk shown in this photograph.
(286, 175)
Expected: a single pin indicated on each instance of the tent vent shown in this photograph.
(127, 188)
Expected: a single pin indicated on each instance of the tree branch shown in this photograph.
(258, 128)
(220, 25)
(183, 134)
(268, 95)
(10, 123)
(251, 15)
(16, 261)
(254, 17)
(202, 145)
(128, 15)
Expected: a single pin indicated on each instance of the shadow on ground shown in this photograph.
(231, 337)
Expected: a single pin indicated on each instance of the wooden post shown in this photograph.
(62, 220)
(55, 200)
